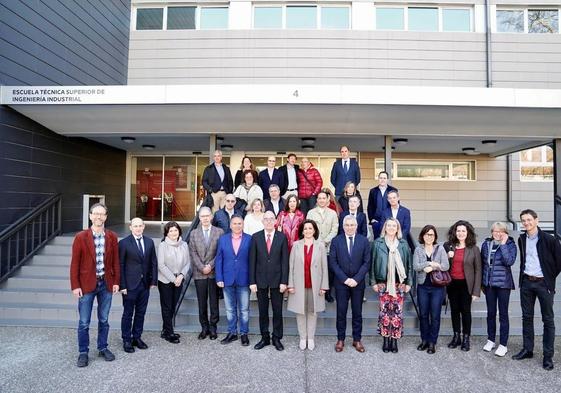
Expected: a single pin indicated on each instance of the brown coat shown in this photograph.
(82, 265)
(472, 268)
(319, 273)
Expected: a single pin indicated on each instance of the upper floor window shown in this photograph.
(429, 170)
(527, 20)
(301, 16)
(181, 18)
(424, 18)
(149, 18)
(536, 164)
(335, 17)
(214, 17)
(267, 17)
(392, 18)
(456, 19)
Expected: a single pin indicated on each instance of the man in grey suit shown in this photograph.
(202, 249)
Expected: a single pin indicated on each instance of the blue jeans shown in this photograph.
(236, 300)
(430, 304)
(85, 305)
(502, 296)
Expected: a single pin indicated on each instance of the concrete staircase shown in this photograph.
(39, 295)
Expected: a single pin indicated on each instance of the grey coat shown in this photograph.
(439, 255)
(201, 255)
(319, 273)
(173, 259)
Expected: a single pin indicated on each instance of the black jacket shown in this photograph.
(268, 270)
(549, 253)
(211, 179)
(135, 268)
(284, 172)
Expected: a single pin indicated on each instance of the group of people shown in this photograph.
(298, 243)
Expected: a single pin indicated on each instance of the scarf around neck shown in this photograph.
(394, 263)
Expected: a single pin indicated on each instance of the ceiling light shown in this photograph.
(128, 139)
(470, 151)
(227, 147)
(197, 153)
(489, 142)
(281, 153)
(308, 141)
(400, 141)
(308, 147)
(148, 147)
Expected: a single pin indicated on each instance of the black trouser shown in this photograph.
(460, 306)
(276, 303)
(135, 303)
(344, 294)
(529, 291)
(207, 296)
(169, 295)
(307, 204)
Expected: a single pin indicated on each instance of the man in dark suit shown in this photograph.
(378, 202)
(202, 250)
(139, 273)
(270, 175)
(217, 181)
(344, 169)
(401, 214)
(354, 203)
(268, 276)
(349, 258)
(94, 274)
(289, 172)
(540, 264)
(222, 217)
(276, 203)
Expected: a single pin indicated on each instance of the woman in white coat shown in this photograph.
(308, 280)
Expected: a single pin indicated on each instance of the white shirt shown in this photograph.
(252, 224)
(230, 212)
(394, 212)
(383, 189)
(275, 206)
(270, 171)
(292, 182)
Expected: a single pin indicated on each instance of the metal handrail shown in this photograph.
(22, 239)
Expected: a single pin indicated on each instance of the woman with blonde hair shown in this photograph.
(391, 273)
(253, 221)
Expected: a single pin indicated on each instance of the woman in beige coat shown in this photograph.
(308, 280)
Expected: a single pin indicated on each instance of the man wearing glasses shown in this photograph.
(94, 274)
(223, 216)
(270, 175)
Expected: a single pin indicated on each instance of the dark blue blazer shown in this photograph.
(339, 178)
(135, 268)
(361, 221)
(265, 181)
(345, 266)
(269, 206)
(222, 219)
(404, 218)
(232, 268)
(211, 179)
(378, 203)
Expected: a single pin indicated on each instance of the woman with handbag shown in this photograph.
(309, 185)
(465, 269)
(430, 260)
(289, 220)
(391, 273)
(498, 254)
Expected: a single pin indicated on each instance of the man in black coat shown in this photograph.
(217, 181)
(540, 264)
(139, 273)
(268, 276)
(289, 172)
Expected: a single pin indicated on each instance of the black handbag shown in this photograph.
(440, 278)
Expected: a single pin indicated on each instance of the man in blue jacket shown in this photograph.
(378, 202)
(222, 217)
(344, 169)
(232, 273)
(401, 214)
(540, 264)
(349, 259)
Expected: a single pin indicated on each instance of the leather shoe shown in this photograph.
(523, 354)
(431, 349)
(277, 344)
(171, 338)
(386, 345)
(163, 335)
(127, 347)
(262, 343)
(203, 334)
(393, 345)
(137, 342)
(547, 364)
(230, 337)
(423, 346)
(245, 340)
(339, 346)
(358, 346)
(107, 355)
(82, 360)
(212, 334)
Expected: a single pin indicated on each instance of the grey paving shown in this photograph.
(43, 360)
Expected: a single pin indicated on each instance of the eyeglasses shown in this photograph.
(230, 200)
(98, 214)
(429, 234)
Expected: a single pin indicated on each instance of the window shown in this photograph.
(214, 18)
(390, 18)
(423, 19)
(536, 164)
(335, 17)
(149, 18)
(510, 21)
(543, 21)
(267, 17)
(430, 170)
(181, 18)
(456, 19)
(301, 17)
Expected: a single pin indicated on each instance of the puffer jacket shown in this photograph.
(499, 273)
(309, 182)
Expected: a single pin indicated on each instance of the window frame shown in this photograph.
(439, 8)
(525, 10)
(542, 163)
(379, 162)
(318, 6)
(165, 8)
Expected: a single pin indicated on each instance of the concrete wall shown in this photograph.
(60, 42)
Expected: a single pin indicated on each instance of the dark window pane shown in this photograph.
(149, 18)
(181, 18)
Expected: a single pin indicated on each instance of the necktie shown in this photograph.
(268, 243)
(206, 237)
(140, 246)
(351, 244)
(346, 166)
